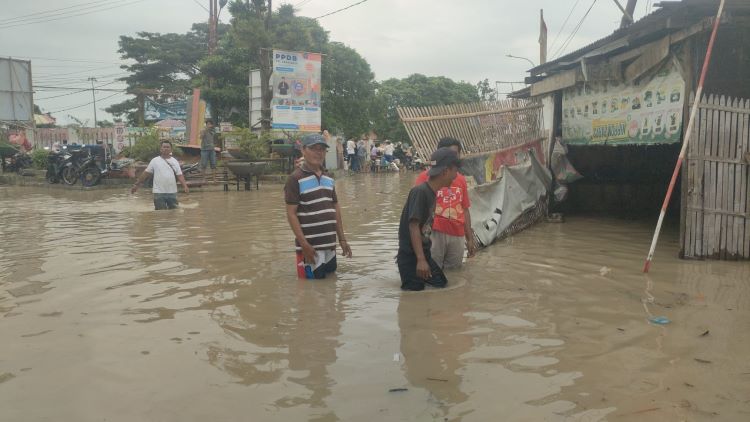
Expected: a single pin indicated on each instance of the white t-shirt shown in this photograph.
(388, 150)
(350, 147)
(164, 171)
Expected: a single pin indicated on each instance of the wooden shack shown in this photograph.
(621, 105)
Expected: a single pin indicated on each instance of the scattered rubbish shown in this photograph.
(702, 360)
(397, 390)
(620, 329)
(437, 379)
(705, 334)
(660, 320)
(688, 384)
(396, 357)
(604, 271)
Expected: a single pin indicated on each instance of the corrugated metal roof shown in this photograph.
(668, 9)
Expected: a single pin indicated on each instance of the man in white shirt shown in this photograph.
(164, 169)
(388, 152)
(351, 151)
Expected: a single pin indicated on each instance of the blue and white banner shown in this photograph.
(296, 91)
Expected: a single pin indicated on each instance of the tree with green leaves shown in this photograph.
(416, 91)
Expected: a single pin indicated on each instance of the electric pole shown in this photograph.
(265, 76)
(627, 12)
(93, 95)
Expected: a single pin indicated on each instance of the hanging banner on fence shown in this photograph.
(296, 91)
(611, 113)
(162, 111)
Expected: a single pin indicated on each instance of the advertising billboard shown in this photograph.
(16, 97)
(296, 91)
(610, 113)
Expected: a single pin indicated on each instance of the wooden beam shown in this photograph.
(557, 82)
(650, 58)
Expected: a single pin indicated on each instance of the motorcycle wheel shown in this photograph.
(70, 176)
(51, 177)
(91, 176)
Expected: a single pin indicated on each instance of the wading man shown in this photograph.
(415, 264)
(208, 151)
(164, 169)
(452, 225)
(313, 212)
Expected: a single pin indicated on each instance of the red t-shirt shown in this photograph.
(451, 204)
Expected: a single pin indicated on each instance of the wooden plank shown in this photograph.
(739, 223)
(698, 189)
(731, 153)
(720, 200)
(710, 220)
(687, 175)
(745, 181)
(557, 82)
(650, 58)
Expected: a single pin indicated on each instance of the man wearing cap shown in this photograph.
(415, 264)
(313, 212)
(452, 225)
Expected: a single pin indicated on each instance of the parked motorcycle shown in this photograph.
(56, 162)
(82, 164)
(18, 162)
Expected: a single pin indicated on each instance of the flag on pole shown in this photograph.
(542, 38)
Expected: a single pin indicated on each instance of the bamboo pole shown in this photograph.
(688, 133)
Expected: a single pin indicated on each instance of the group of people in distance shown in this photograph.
(434, 228)
(380, 154)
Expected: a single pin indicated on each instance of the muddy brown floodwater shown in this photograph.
(111, 311)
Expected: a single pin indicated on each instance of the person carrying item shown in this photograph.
(388, 150)
(313, 212)
(208, 153)
(164, 168)
(415, 264)
(451, 228)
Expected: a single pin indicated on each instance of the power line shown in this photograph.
(60, 60)
(302, 3)
(199, 4)
(575, 31)
(50, 11)
(562, 28)
(341, 10)
(87, 104)
(97, 88)
(13, 25)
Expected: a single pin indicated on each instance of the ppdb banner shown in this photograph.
(612, 113)
(296, 91)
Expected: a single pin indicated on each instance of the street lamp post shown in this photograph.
(522, 58)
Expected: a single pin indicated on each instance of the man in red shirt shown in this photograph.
(452, 223)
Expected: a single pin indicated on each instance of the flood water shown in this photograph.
(111, 311)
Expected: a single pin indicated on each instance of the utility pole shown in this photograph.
(93, 95)
(627, 12)
(265, 76)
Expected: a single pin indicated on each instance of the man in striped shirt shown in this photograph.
(313, 212)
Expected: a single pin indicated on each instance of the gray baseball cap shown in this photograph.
(441, 159)
(313, 139)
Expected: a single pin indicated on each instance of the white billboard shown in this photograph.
(16, 100)
(296, 91)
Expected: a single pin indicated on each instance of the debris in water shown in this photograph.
(705, 334)
(660, 320)
(397, 390)
(620, 329)
(688, 384)
(396, 357)
(437, 379)
(702, 360)
(604, 271)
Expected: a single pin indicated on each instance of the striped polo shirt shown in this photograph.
(315, 198)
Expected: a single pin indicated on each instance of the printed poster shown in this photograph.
(296, 91)
(611, 113)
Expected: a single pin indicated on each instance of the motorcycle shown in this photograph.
(18, 163)
(56, 162)
(82, 164)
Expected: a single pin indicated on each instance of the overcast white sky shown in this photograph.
(464, 40)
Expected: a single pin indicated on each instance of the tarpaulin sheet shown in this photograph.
(497, 205)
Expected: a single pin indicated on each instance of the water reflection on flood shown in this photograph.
(109, 310)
